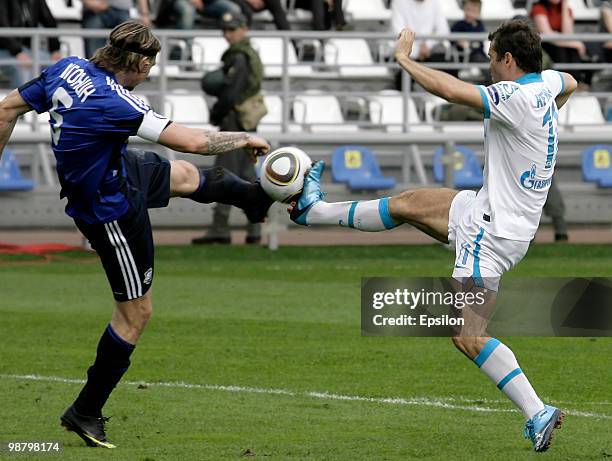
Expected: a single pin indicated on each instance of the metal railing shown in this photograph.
(288, 37)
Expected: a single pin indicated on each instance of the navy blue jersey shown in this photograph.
(91, 118)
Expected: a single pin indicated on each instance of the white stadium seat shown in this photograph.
(270, 51)
(497, 10)
(172, 70)
(387, 107)
(583, 114)
(583, 13)
(452, 11)
(320, 113)
(272, 121)
(187, 108)
(348, 53)
(206, 52)
(434, 103)
(370, 10)
(263, 16)
(62, 12)
(72, 45)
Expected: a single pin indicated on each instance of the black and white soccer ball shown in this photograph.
(282, 173)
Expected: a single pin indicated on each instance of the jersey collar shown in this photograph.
(529, 78)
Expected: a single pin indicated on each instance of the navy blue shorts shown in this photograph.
(125, 246)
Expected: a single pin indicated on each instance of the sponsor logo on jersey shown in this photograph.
(529, 181)
(507, 90)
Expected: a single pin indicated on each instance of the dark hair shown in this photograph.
(128, 43)
(521, 40)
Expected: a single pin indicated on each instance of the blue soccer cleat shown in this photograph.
(310, 195)
(540, 428)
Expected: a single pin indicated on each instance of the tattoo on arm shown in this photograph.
(219, 142)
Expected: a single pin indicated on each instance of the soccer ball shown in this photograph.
(282, 173)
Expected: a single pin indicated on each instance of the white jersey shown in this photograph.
(520, 123)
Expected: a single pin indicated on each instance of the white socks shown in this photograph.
(499, 363)
(367, 215)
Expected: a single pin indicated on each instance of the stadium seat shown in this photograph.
(498, 10)
(172, 70)
(353, 58)
(597, 164)
(581, 12)
(270, 51)
(468, 171)
(452, 11)
(387, 107)
(273, 120)
(10, 176)
(187, 108)
(583, 113)
(71, 45)
(370, 10)
(320, 113)
(433, 106)
(206, 52)
(263, 16)
(358, 168)
(62, 12)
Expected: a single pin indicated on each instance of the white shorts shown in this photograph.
(478, 254)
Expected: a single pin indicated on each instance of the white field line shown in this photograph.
(438, 402)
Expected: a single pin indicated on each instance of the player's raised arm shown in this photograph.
(569, 86)
(434, 81)
(11, 108)
(190, 140)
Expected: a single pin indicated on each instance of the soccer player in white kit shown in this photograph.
(492, 228)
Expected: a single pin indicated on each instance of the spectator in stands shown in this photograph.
(425, 17)
(238, 108)
(555, 17)
(555, 208)
(324, 13)
(25, 13)
(471, 23)
(279, 14)
(606, 27)
(181, 14)
(106, 14)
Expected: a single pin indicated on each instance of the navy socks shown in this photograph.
(220, 185)
(112, 361)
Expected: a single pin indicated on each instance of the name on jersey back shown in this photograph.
(79, 81)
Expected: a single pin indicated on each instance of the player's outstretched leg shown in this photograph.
(499, 363)
(367, 215)
(209, 185)
(426, 209)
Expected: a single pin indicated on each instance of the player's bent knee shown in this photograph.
(184, 178)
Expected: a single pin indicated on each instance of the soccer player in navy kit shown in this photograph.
(109, 187)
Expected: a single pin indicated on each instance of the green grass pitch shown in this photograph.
(271, 341)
